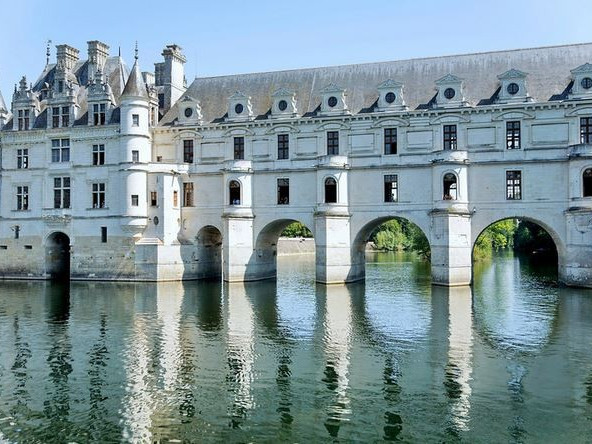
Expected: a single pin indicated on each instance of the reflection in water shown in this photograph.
(240, 351)
(337, 342)
(389, 359)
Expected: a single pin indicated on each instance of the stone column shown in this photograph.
(238, 246)
(451, 246)
(333, 245)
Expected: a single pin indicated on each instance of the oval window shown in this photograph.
(188, 112)
(513, 88)
(282, 105)
(239, 108)
(390, 97)
(332, 101)
(586, 83)
(449, 93)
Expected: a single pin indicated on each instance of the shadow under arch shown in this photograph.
(363, 236)
(264, 260)
(209, 252)
(554, 256)
(57, 256)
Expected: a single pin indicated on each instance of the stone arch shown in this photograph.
(235, 192)
(264, 263)
(57, 256)
(450, 185)
(209, 252)
(362, 236)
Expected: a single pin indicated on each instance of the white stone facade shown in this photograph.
(179, 183)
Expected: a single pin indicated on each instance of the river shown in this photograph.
(394, 358)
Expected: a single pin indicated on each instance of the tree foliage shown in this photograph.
(400, 235)
(296, 229)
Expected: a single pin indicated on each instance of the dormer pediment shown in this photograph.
(239, 107)
(333, 100)
(450, 92)
(390, 96)
(189, 111)
(284, 103)
(513, 88)
(582, 82)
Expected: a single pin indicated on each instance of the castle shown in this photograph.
(109, 173)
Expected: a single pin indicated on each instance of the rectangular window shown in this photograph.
(188, 151)
(104, 235)
(98, 154)
(390, 141)
(239, 148)
(513, 135)
(55, 117)
(17, 231)
(153, 199)
(513, 185)
(135, 120)
(135, 156)
(65, 116)
(188, 194)
(332, 143)
(22, 158)
(23, 119)
(134, 200)
(283, 191)
(60, 150)
(175, 198)
(586, 130)
(391, 188)
(283, 146)
(98, 195)
(449, 137)
(22, 198)
(99, 113)
(61, 192)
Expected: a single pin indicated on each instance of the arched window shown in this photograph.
(330, 190)
(234, 192)
(450, 189)
(587, 182)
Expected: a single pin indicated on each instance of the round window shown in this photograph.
(586, 83)
(390, 97)
(449, 93)
(239, 108)
(188, 112)
(513, 88)
(332, 101)
(282, 105)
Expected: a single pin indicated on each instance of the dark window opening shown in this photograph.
(450, 187)
(234, 193)
(153, 198)
(135, 156)
(239, 108)
(98, 156)
(22, 198)
(390, 141)
(239, 148)
(332, 102)
(282, 105)
(17, 231)
(98, 195)
(513, 135)
(188, 194)
(135, 120)
(586, 130)
(449, 93)
(390, 188)
(175, 198)
(283, 146)
(449, 137)
(99, 113)
(283, 191)
(61, 192)
(332, 143)
(513, 88)
(60, 150)
(390, 97)
(135, 200)
(22, 158)
(188, 151)
(104, 235)
(587, 182)
(513, 185)
(330, 190)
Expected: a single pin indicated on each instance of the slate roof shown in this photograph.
(2, 103)
(135, 86)
(548, 70)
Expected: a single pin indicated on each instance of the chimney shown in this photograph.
(66, 57)
(97, 56)
(172, 76)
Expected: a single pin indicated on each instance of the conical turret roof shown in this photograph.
(135, 86)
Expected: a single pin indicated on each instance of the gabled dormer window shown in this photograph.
(99, 113)
(23, 119)
(60, 116)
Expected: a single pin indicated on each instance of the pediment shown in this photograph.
(389, 83)
(238, 95)
(332, 88)
(449, 118)
(238, 131)
(587, 110)
(448, 78)
(282, 92)
(188, 134)
(512, 74)
(585, 68)
(332, 125)
(391, 121)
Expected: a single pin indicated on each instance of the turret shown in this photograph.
(170, 77)
(135, 149)
(25, 106)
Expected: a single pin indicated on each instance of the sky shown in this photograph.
(230, 37)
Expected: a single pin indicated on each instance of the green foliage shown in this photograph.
(399, 235)
(498, 236)
(296, 229)
(531, 237)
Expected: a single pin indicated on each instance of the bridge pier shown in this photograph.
(238, 247)
(575, 260)
(451, 247)
(333, 246)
